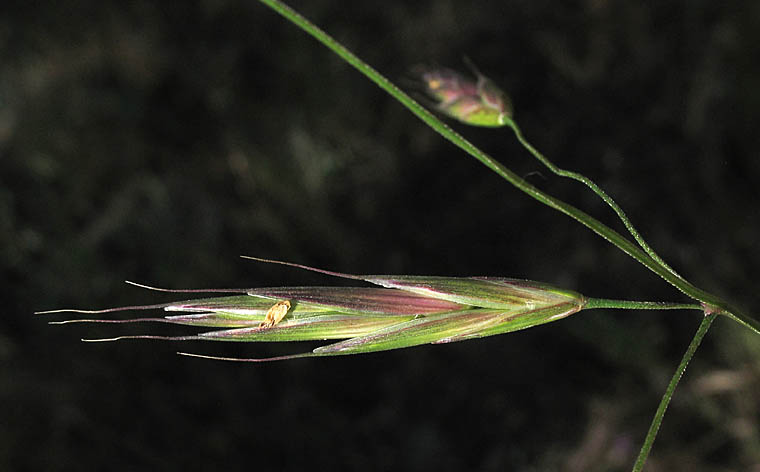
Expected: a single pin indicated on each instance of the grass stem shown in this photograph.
(657, 420)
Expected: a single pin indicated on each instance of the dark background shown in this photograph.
(158, 141)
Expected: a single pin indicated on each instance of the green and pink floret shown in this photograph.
(398, 312)
(474, 102)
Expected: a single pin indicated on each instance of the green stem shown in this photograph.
(596, 189)
(714, 303)
(593, 303)
(657, 420)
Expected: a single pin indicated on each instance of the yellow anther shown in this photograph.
(275, 314)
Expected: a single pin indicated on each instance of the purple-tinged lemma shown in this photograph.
(400, 311)
(477, 103)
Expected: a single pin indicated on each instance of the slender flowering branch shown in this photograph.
(639, 305)
(596, 189)
(660, 414)
(715, 303)
(481, 103)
